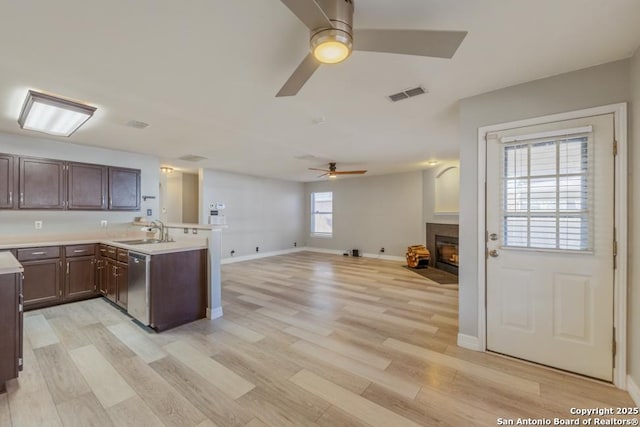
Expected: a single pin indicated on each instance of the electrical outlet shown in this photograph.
(233, 252)
(149, 212)
(257, 249)
(194, 231)
(103, 223)
(295, 244)
(38, 225)
(186, 230)
(382, 250)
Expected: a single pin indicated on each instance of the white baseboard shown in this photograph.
(232, 260)
(324, 251)
(385, 257)
(634, 390)
(366, 255)
(215, 313)
(469, 342)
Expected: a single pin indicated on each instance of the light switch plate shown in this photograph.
(38, 225)
(149, 212)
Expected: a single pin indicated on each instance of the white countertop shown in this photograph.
(9, 264)
(184, 245)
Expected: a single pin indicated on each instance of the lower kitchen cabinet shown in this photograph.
(113, 274)
(10, 327)
(80, 278)
(41, 283)
(55, 274)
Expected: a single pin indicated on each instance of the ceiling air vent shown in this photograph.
(406, 94)
(192, 158)
(137, 124)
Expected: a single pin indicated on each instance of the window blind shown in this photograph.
(547, 200)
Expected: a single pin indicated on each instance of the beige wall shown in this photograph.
(634, 222)
(372, 212)
(262, 212)
(429, 191)
(595, 86)
(20, 223)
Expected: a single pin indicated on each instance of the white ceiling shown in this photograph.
(203, 74)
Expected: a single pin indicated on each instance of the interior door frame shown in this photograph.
(620, 217)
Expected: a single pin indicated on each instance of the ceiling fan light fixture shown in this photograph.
(331, 46)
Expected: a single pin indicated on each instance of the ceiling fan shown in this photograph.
(333, 38)
(333, 173)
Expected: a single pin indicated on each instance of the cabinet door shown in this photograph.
(7, 180)
(102, 275)
(80, 278)
(124, 189)
(41, 184)
(122, 292)
(112, 273)
(10, 318)
(41, 282)
(87, 186)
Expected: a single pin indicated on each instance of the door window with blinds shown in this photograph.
(547, 198)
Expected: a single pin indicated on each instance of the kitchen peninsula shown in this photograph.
(180, 284)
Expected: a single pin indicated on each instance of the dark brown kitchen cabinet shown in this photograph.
(80, 274)
(114, 274)
(7, 181)
(42, 184)
(10, 327)
(41, 275)
(87, 186)
(122, 284)
(124, 189)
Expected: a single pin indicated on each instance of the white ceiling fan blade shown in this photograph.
(299, 77)
(439, 44)
(309, 13)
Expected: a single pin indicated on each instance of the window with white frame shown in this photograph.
(322, 213)
(546, 194)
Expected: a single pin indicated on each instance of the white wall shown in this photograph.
(372, 212)
(634, 222)
(261, 212)
(429, 186)
(19, 223)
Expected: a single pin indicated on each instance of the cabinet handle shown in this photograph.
(102, 202)
(67, 267)
(77, 251)
(22, 198)
(10, 197)
(38, 253)
(110, 201)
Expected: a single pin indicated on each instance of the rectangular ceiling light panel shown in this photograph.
(52, 115)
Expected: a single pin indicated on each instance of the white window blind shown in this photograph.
(546, 193)
(322, 213)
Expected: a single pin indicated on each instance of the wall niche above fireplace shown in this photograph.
(442, 242)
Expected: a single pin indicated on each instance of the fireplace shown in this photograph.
(442, 242)
(446, 256)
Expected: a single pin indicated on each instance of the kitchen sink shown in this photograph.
(140, 241)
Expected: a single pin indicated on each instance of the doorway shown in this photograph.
(552, 196)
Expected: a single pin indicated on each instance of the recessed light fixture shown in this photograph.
(166, 169)
(52, 115)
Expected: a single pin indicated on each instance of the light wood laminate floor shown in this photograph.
(307, 339)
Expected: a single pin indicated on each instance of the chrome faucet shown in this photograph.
(159, 225)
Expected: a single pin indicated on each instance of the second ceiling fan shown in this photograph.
(333, 173)
(333, 38)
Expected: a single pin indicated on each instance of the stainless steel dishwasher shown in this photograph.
(138, 305)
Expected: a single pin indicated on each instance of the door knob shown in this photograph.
(493, 253)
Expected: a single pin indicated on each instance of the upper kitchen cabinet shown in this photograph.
(42, 184)
(124, 189)
(7, 181)
(87, 186)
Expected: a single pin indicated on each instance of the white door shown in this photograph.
(550, 231)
